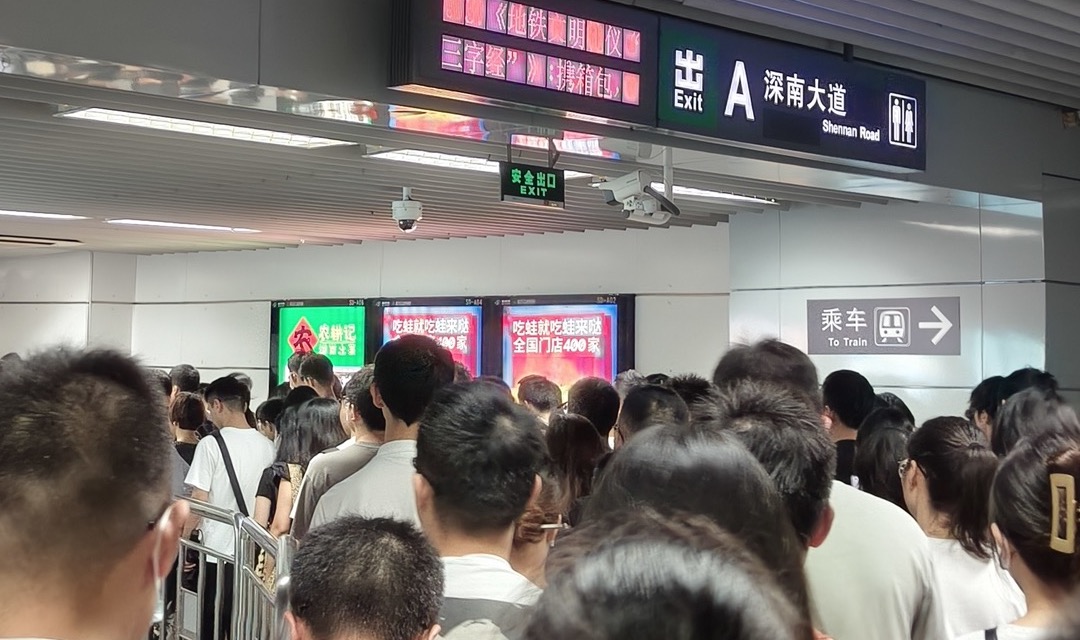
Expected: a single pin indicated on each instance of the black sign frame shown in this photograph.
(532, 185)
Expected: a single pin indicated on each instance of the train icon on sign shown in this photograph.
(892, 327)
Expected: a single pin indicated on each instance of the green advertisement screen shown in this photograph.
(336, 332)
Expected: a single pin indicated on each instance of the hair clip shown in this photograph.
(1063, 513)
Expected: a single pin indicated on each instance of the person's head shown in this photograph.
(358, 410)
(574, 447)
(477, 458)
(163, 382)
(299, 396)
(986, 400)
(1029, 378)
(293, 365)
(947, 479)
(317, 372)
(320, 428)
(848, 398)
(374, 579)
(497, 383)
(408, 372)
(598, 401)
(698, 393)
(1032, 514)
(783, 431)
(187, 411)
(650, 577)
(627, 380)
(539, 395)
(889, 400)
(649, 405)
(769, 361)
(281, 391)
(461, 373)
(227, 401)
(658, 378)
(708, 473)
(184, 377)
(85, 465)
(1029, 413)
(244, 379)
(267, 416)
(536, 529)
(880, 446)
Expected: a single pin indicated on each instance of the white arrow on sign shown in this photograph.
(943, 326)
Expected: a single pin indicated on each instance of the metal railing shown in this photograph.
(249, 588)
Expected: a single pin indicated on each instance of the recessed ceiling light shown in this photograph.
(43, 216)
(180, 225)
(450, 161)
(199, 128)
(691, 192)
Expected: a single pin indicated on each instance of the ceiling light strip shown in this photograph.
(180, 225)
(451, 161)
(41, 216)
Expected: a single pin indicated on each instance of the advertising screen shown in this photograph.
(334, 328)
(455, 327)
(566, 341)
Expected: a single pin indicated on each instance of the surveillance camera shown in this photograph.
(407, 212)
(640, 202)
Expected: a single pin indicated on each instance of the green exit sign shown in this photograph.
(528, 184)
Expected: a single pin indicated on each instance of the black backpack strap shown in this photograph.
(991, 634)
(229, 469)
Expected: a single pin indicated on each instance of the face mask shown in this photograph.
(159, 582)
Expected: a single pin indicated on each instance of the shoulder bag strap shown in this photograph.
(991, 634)
(229, 469)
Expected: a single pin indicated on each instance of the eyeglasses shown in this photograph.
(560, 526)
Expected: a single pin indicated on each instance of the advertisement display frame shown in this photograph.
(276, 374)
(378, 306)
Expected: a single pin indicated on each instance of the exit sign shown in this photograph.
(528, 184)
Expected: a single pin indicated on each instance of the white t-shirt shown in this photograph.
(976, 594)
(1010, 632)
(251, 453)
(487, 577)
(872, 579)
(382, 489)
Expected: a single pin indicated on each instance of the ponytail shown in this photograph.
(970, 517)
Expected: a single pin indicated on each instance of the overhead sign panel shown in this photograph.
(897, 326)
(529, 184)
(724, 84)
(583, 56)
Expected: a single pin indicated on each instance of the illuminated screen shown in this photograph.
(563, 343)
(456, 328)
(336, 332)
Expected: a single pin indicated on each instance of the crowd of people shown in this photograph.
(758, 505)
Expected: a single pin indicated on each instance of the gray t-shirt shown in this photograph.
(382, 489)
(325, 471)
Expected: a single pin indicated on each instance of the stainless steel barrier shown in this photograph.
(190, 608)
(261, 595)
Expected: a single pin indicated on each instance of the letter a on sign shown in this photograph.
(739, 95)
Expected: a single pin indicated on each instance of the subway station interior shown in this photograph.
(891, 186)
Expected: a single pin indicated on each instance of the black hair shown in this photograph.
(299, 396)
(784, 432)
(1028, 413)
(987, 398)
(185, 378)
(1029, 378)
(231, 392)
(639, 575)
(627, 380)
(163, 381)
(650, 405)
(850, 396)
(598, 401)
(712, 474)
(358, 394)
(959, 468)
(408, 372)
(1022, 504)
(550, 505)
(270, 411)
(539, 393)
(693, 389)
(297, 357)
(480, 453)
(880, 446)
(320, 428)
(769, 361)
(244, 379)
(84, 446)
(889, 400)
(575, 447)
(377, 579)
(462, 373)
(280, 391)
(497, 383)
(318, 368)
(187, 411)
(657, 378)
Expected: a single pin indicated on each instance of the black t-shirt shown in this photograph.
(268, 484)
(845, 460)
(186, 451)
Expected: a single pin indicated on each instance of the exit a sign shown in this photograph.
(530, 184)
